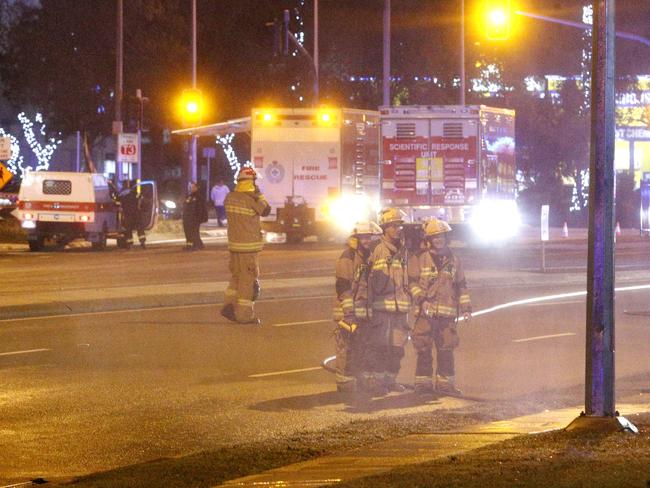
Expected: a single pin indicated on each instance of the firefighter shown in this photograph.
(244, 206)
(388, 302)
(351, 323)
(439, 291)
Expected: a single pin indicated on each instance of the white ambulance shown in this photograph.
(62, 206)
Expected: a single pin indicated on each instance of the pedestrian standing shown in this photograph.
(194, 214)
(388, 300)
(218, 196)
(352, 322)
(244, 206)
(439, 291)
(132, 219)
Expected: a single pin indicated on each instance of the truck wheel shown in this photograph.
(36, 244)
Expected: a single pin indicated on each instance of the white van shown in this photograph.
(62, 206)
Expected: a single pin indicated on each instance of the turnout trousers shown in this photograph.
(442, 332)
(241, 291)
(386, 337)
(349, 355)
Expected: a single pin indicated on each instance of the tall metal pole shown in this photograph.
(193, 162)
(600, 411)
(386, 74)
(599, 397)
(316, 70)
(462, 52)
(119, 84)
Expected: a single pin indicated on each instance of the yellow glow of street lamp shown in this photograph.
(192, 107)
(498, 17)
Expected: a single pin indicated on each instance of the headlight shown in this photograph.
(495, 220)
(28, 224)
(347, 210)
(169, 204)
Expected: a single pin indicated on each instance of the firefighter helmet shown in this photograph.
(247, 173)
(366, 227)
(436, 227)
(391, 215)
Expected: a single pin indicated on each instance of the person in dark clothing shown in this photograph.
(131, 201)
(195, 213)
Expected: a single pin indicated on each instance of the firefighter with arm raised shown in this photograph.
(244, 206)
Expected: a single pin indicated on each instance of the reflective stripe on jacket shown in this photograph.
(387, 281)
(444, 287)
(243, 210)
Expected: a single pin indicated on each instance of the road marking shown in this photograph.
(28, 351)
(303, 322)
(149, 309)
(539, 338)
(546, 304)
(288, 371)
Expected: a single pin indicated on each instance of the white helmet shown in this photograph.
(366, 227)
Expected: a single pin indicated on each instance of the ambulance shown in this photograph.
(452, 162)
(63, 206)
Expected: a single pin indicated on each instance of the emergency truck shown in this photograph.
(452, 162)
(319, 168)
(63, 206)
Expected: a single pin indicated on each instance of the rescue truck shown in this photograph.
(319, 168)
(456, 163)
(63, 206)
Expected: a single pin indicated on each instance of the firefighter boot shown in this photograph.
(424, 385)
(391, 384)
(228, 311)
(445, 385)
(372, 385)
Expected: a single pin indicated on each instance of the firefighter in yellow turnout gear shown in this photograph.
(352, 323)
(439, 291)
(244, 206)
(388, 302)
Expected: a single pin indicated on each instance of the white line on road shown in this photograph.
(288, 371)
(303, 322)
(28, 351)
(151, 309)
(545, 304)
(539, 338)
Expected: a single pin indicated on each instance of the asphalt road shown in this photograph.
(88, 392)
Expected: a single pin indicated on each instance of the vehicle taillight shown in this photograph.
(84, 218)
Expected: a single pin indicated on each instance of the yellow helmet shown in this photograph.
(436, 227)
(391, 215)
(247, 173)
(367, 227)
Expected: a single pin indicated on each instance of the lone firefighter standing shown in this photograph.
(244, 206)
(352, 322)
(439, 291)
(389, 303)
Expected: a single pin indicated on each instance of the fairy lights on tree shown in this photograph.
(43, 152)
(226, 144)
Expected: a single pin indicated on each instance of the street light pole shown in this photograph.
(119, 86)
(600, 411)
(386, 73)
(462, 52)
(316, 70)
(193, 157)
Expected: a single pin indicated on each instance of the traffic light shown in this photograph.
(192, 106)
(497, 18)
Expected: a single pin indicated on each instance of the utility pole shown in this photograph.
(193, 157)
(462, 52)
(316, 70)
(386, 74)
(600, 411)
(119, 85)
